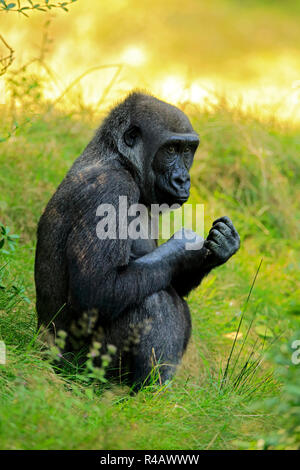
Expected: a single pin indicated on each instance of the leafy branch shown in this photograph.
(24, 9)
(7, 239)
(19, 7)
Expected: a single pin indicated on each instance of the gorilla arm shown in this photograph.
(101, 276)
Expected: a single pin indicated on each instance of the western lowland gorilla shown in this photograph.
(126, 291)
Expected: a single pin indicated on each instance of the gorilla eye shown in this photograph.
(187, 149)
(171, 149)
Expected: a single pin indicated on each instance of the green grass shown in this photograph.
(244, 168)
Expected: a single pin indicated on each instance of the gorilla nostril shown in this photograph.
(180, 181)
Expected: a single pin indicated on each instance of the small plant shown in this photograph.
(98, 373)
(7, 241)
(89, 371)
(10, 294)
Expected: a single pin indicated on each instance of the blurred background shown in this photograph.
(192, 51)
(234, 67)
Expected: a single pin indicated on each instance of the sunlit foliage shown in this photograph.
(192, 51)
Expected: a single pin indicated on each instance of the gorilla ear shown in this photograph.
(131, 135)
(130, 146)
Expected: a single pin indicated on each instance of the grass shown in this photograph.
(244, 168)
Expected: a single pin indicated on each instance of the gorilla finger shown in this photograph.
(217, 236)
(223, 228)
(226, 220)
(212, 246)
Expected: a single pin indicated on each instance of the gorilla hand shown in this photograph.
(222, 242)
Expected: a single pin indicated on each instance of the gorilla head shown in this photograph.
(157, 143)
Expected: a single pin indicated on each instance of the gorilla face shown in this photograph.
(171, 168)
(158, 144)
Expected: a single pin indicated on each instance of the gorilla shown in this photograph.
(126, 291)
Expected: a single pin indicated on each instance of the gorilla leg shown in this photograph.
(153, 335)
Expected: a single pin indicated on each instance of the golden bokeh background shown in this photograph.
(197, 51)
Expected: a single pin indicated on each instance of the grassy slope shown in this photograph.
(243, 169)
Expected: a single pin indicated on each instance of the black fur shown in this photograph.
(125, 292)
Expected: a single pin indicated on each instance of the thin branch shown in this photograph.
(84, 74)
(6, 61)
(110, 85)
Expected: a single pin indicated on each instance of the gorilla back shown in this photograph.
(121, 290)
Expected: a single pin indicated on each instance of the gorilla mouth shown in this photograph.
(178, 199)
(182, 199)
(173, 197)
(180, 196)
